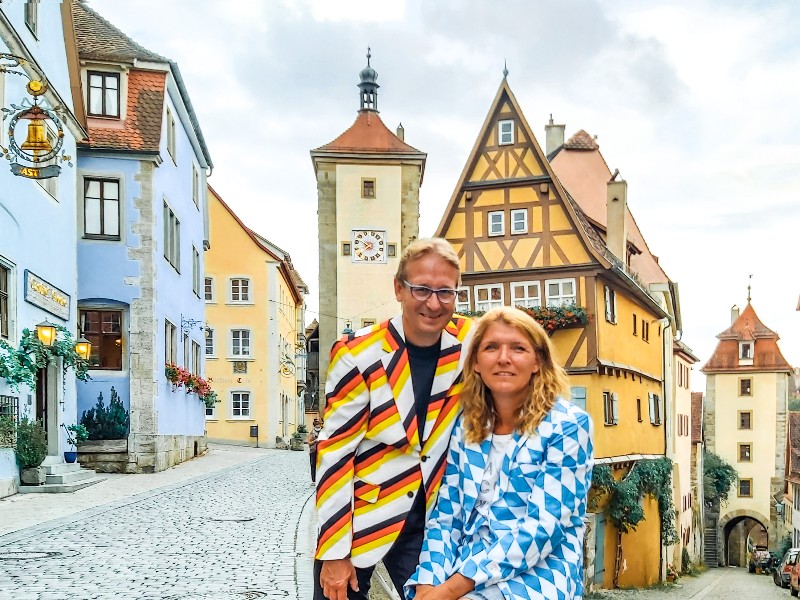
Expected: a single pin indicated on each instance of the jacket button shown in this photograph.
(410, 494)
(423, 458)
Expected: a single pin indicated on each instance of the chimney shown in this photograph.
(554, 136)
(734, 314)
(401, 133)
(616, 228)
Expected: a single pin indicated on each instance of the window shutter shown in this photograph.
(579, 396)
(651, 400)
(659, 409)
(607, 292)
(615, 408)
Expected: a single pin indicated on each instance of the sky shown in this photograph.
(695, 102)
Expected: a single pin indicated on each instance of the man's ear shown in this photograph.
(398, 288)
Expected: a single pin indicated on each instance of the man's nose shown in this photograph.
(433, 301)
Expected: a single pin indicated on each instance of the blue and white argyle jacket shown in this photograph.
(532, 542)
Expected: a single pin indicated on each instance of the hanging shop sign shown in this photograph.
(46, 296)
(36, 157)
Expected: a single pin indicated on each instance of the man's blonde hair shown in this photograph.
(422, 247)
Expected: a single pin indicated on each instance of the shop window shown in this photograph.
(103, 328)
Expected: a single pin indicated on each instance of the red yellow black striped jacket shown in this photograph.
(371, 456)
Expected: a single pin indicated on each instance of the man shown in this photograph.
(312, 438)
(392, 397)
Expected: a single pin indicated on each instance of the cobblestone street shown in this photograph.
(219, 535)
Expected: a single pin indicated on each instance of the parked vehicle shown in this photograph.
(794, 580)
(783, 574)
(759, 559)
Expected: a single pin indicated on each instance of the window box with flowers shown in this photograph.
(551, 318)
(194, 384)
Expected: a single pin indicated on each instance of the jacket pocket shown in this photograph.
(365, 491)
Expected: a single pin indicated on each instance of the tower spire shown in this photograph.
(368, 87)
(505, 68)
(749, 281)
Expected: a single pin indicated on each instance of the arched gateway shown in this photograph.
(734, 528)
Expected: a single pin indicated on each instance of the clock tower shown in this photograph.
(368, 182)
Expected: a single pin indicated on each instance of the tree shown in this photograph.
(718, 478)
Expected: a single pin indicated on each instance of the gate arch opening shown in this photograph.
(741, 532)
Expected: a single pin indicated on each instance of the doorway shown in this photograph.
(47, 406)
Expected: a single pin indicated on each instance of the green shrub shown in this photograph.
(31, 444)
(719, 478)
(686, 562)
(107, 423)
(8, 431)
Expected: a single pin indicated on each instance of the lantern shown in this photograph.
(46, 332)
(83, 348)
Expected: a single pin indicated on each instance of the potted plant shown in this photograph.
(31, 451)
(75, 435)
(296, 441)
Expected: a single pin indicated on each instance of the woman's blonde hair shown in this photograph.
(544, 388)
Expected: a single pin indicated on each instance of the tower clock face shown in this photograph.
(369, 245)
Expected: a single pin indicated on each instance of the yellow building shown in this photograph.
(747, 395)
(523, 240)
(254, 311)
(368, 182)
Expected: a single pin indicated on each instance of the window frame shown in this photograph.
(103, 90)
(347, 249)
(748, 393)
(364, 186)
(493, 213)
(31, 16)
(209, 289)
(610, 408)
(578, 396)
(240, 278)
(231, 408)
(97, 337)
(739, 416)
(171, 136)
(748, 448)
(511, 133)
(561, 295)
(746, 344)
(645, 331)
(196, 186)
(103, 201)
(527, 299)
(492, 303)
(610, 297)
(749, 482)
(172, 237)
(461, 306)
(634, 324)
(170, 342)
(7, 301)
(654, 401)
(524, 213)
(210, 342)
(195, 271)
(211, 413)
(196, 358)
(231, 354)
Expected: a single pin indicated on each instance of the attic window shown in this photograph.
(103, 94)
(505, 132)
(745, 350)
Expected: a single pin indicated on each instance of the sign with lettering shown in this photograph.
(35, 172)
(46, 296)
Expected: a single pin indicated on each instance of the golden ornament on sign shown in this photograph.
(36, 87)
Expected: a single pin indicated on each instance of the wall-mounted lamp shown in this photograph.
(348, 328)
(46, 332)
(83, 348)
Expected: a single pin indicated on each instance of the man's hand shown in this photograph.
(335, 577)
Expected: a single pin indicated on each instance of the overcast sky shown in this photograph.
(694, 102)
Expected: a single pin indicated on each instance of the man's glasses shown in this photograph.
(422, 293)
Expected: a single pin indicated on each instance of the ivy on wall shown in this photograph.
(18, 366)
(648, 476)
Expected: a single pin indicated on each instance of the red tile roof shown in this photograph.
(368, 135)
(581, 141)
(697, 417)
(141, 129)
(748, 327)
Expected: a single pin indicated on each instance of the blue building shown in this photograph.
(38, 265)
(142, 230)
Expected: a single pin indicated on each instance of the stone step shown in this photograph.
(70, 477)
(61, 468)
(58, 488)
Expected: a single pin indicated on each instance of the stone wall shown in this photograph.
(328, 256)
(152, 453)
(409, 204)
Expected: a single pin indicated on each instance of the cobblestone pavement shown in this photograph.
(725, 583)
(244, 528)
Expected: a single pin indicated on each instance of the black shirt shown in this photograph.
(422, 362)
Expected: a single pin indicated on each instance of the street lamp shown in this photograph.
(83, 348)
(348, 328)
(46, 332)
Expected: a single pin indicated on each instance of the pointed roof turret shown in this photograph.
(368, 88)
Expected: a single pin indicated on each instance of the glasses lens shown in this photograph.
(420, 292)
(446, 296)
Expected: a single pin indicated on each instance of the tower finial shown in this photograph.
(749, 281)
(369, 54)
(505, 69)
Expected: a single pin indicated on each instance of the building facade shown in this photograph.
(747, 387)
(368, 182)
(142, 235)
(254, 336)
(38, 263)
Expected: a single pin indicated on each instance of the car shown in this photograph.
(759, 559)
(794, 580)
(783, 574)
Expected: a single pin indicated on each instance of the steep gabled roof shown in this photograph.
(98, 39)
(368, 135)
(747, 327)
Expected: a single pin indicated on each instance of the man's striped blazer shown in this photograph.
(371, 458)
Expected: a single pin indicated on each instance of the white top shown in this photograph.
(494, 463)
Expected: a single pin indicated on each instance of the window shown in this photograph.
(655, 408)
(186, 364)
(240, 342)
(634, 323)
(462, 300)
(519, 220)
(488, 297)
(5, 308)
(240, 290)
(101, 208)
(505, 132)
(579, 396)
(745, 488)
(195, 186)
(610, 408)
(32, 16)
(170, 342)
(497, 225)
(745, 386)
(645, 330)
(208, 289)
(745, 419)
(367, 188)
(240, 405)
(745, 453)
(196, 364)
(211, 413)
(103, 94)
(209, 341)
(195, 272)
(526, 293)
(172, 238)
(346, 248)
(391, 250)
(639, 410)
(367, 322)
(611, 304)
(171, 135)
(560, 292)
(745, 350)
(103, 328)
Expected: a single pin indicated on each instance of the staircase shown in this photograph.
(63, 477)
(710, 547)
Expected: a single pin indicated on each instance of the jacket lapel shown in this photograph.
(398, 378)
(446, 373)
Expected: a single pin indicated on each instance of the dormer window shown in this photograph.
(103, 94)
(505, 132)
(745, 350)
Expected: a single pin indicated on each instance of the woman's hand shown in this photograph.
(454, 588)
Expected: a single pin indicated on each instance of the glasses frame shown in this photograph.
(427, 292)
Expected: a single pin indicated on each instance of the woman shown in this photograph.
(312, 439)
(508, 522)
